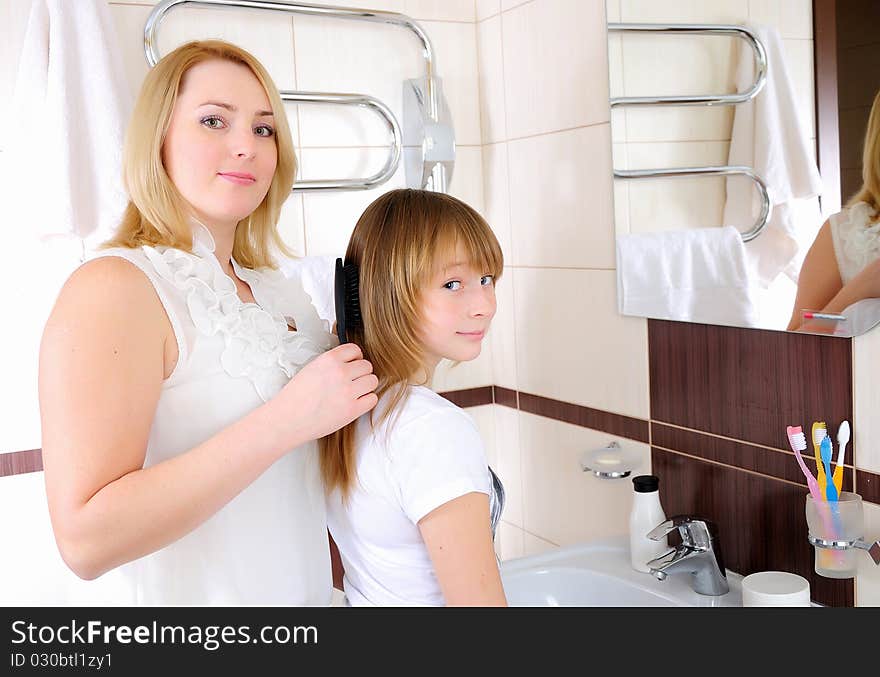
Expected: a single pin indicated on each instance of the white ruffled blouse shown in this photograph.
(269, 544)
(855, 233)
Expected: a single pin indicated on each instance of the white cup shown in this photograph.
(775, 588)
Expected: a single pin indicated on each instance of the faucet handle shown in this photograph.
(693, 530)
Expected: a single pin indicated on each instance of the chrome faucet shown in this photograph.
(699, 554)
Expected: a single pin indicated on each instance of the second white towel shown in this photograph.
(697, 275)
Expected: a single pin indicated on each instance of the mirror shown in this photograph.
(692, 245)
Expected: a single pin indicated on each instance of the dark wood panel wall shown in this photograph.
(721, 398)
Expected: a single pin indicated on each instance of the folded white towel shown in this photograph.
(696, 275)
(69, 110)
(769, 135)
(317, 274)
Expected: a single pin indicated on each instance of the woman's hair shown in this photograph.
(157, 213)
(870, 190)
(399, 244)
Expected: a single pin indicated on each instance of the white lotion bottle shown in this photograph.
(646, 514)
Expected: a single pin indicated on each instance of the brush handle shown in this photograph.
(820, 469)
(837, 478)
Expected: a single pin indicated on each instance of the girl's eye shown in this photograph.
(453, 285)
(265, 131)
(487, 280)
(213, 122)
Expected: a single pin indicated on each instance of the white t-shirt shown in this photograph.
(432, 454)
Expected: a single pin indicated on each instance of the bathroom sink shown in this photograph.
(598, 573)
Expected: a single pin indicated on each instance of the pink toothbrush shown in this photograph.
(798, 442)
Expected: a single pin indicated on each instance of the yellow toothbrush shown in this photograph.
(819, 432)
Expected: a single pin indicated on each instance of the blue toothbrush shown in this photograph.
(825, 451)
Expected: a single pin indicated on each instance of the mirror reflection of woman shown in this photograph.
(183, 379)
(842, 266)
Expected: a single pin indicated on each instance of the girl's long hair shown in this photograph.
(157, 213)
(399, 243)
(870, 190)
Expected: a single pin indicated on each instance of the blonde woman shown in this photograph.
(183, 380)
(843, 265)
(411, 502)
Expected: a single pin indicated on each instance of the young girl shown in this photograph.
(410, 497)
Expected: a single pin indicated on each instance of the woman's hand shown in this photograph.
(331, 391)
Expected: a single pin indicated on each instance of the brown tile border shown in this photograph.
(20, 462)
(868, 486)
(585, 417)
(776, 464)
(470, 397)
(506, 397)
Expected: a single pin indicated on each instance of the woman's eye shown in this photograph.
(453, 285)
(213, 122)
(487, 279)
(264, 130)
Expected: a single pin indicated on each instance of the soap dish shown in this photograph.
(611, 462)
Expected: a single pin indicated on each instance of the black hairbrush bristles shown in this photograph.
(348, 306)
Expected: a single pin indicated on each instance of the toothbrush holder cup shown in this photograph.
(834, 528)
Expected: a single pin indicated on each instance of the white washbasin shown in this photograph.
(598, 573)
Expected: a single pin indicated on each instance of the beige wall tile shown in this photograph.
(130, 20)
(572, 345)
(793, 18)
(456, 46)
(799, 59)
(484, 418)
(291, 226)
(467, 176)
(503, 333)
(383, 5)
(690, 64)
(376, 61)
(496, 197)
(684, 11)
(508, 541)
(679, 124)
(330, 217)
(561, 205)
(487, 8)
(441, 10)
(561, 503)
(464, 375)
(868, 577)
(510, 4)
(675, 203)
(491, 74)
(533, 545)
(866, 400)
(621, 186)
(267, 37)
(509, 462)
(612, 10)
(555, 66)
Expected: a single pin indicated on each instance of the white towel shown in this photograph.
(318, 275)
(695, 275)
(70, 105)
(769, 135)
